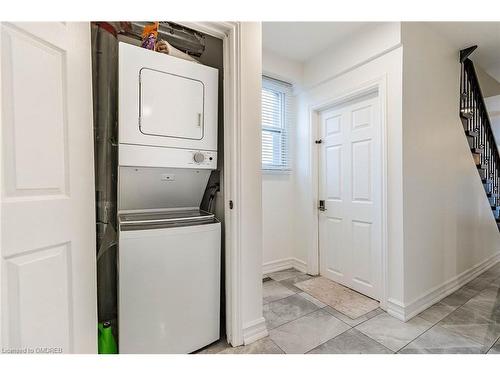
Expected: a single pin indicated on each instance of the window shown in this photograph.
(276, 120)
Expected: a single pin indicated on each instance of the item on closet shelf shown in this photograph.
(149, 35)
(165, 47)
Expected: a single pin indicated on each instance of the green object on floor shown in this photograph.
(106, 341)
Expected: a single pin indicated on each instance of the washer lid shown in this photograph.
(164, 216)
(164, 219)
(171, 105)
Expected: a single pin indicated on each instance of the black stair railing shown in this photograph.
(477, 127)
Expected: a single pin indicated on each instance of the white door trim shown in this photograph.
(378, 85)
(229, 32)
(1, 182)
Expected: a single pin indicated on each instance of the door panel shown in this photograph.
(37, 299)
(334, 172)
(361, 250)
(361, 171)
(350, 182)
(48, 289)
(336, 261)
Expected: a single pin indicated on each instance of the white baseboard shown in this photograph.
(407, 311)
(283, 264)
(254, 331)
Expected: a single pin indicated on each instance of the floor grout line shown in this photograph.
(275, 343)
(440, 320)
(393, 352)
(293, 320)
(351, 327)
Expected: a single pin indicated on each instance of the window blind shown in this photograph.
(276, 123)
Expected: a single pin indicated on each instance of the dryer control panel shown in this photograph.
(145, 156)
(204, 158)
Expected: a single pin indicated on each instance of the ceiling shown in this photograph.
(298, 41)
(486, 35)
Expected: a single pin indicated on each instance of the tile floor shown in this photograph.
(467, 321)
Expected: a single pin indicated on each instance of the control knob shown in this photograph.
(199, 157)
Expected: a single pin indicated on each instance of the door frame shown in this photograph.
(1, 217)
(230, 32)
(379, 86)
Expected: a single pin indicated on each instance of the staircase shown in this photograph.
(477, 127)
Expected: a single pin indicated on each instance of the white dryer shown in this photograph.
(169, 104)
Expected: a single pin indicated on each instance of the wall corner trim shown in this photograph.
(396, 309)
(254, 330)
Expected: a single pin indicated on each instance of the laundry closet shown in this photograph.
(158, 126)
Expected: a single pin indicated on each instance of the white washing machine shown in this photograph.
(169, 249)
(169, 281)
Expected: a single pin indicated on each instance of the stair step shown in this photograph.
(493, 201)
(477, 158)
(476, 150)
(487, 185)
(482, 166)
(492, 195)
(471, 133)
(487, 181)
(465, 123)
(470, 141)
(467, 114)
(482, 172)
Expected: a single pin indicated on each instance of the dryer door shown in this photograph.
(170, 105)
(164, 101)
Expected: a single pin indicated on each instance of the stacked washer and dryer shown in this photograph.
(169, 249)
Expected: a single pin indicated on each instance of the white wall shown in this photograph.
(278, 188)
(448, 224)
(368, 43)
(282, 68)
(489, 85)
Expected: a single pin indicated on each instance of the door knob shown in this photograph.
(321, 206)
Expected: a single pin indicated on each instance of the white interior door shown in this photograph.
(48, 284)
(350, 184)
